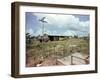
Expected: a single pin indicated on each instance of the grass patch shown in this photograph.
(57, 48)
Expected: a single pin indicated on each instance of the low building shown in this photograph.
(53, 38)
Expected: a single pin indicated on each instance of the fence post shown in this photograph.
(71, 60)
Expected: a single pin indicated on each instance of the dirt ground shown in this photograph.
(46, 62)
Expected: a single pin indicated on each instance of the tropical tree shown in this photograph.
(28, 38)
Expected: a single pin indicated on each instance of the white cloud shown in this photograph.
(30, 31)
(69, 33)
(57, 19)
(38, 32)
(69, 23)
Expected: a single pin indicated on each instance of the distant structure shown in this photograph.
(43, 28)
(43, 38)
(53, 38)
(43, 21)
(58, 37)
(47, 38)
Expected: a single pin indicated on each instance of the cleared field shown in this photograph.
(38, 53)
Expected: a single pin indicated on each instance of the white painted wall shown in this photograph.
(5, 43)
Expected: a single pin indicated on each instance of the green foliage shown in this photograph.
(28, 38)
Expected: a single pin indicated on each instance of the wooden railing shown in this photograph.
(84, 60)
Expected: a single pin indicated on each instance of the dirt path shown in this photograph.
(77, 59)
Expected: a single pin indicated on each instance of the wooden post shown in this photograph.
(71, 60)
(55, 54)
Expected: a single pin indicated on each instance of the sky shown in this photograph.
(57, 24)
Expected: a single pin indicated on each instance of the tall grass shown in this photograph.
(57, 48)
